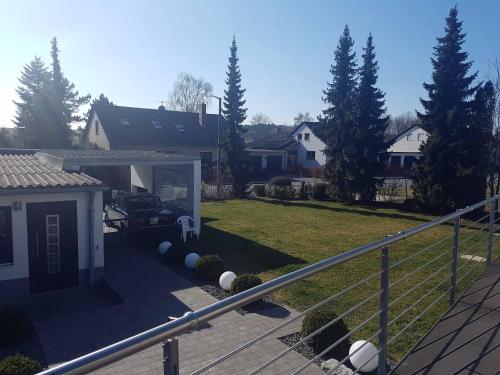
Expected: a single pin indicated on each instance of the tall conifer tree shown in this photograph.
(234, 115)
(371, 125)
(449, 172)
(340, 121)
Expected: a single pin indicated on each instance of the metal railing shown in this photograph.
(168, 332)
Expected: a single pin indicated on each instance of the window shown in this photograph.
(306, 136)
(180, 128)
(420, 136)
(96, 123)
(6, 236)
(311, 155)
(299, 136)
(124, 121)
(410, 137)
(157, 124)
(53, 243)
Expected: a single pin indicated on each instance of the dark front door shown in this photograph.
(52, 245)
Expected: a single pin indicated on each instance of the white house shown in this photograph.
(405, 148)
(50, 227)
(309, 137)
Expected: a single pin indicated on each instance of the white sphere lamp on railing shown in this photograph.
(191, 260)
(226, 279)
(164, 246)
(364, 359)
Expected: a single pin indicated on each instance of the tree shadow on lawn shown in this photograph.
(361, 210)
(240, 254)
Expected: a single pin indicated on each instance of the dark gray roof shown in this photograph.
(277, 141)
(28, 172)
(141, 132)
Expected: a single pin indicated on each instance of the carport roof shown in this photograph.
(27, 172)
(67, 159)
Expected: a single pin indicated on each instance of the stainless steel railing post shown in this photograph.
(384, 306)
(454, 261)
(171, 357)
(490, 233)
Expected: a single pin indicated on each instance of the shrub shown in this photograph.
(14, 326)
(244, 282)
(259, 191)
(304, 191)
(280, 181)
(284, 193)
(19, 365)
(175, 255)
(319, 191)
(316, 319)
(210, 266)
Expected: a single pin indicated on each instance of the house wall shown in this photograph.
(91, 138)
(314, 144)
(14, 278)
(266, 153)
(408, 142)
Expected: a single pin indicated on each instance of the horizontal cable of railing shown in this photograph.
(191, 320)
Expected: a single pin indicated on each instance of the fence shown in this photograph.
(406, 283)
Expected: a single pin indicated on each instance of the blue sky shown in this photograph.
(132, 51)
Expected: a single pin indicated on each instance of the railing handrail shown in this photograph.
(191, 320)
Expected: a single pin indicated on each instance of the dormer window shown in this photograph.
(124, 121)
(410, 137)
(420, 136)
(307, 136)
(157, 124)
(299, 136)
(180, 128)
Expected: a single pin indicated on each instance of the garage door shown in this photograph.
(171, 185)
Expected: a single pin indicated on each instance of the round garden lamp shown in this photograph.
(164, 246)
(226, 279)
(191, 260)
(366, 358)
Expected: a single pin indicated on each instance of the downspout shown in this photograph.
(91, 239)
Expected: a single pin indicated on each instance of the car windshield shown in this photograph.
(142, 203)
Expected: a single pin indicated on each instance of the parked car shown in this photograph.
(137, 211)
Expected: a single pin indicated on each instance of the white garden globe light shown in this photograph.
(226, 279)
(164, 246)
(366, 358)
(190, 260)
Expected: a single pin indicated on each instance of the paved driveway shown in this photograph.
(151, 293)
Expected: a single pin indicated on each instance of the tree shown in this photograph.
(260, 119)
(339, 120)
(234, 116)
(399, 124)
(494, 144)
(5, 139)
(301, 117)
(188, 93)
(371, 125)
(31, 113)
(65, 101)
(101, 99)
(452, 170)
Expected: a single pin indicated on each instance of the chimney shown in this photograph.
(202, 114)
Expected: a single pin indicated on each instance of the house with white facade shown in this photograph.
(404, 149)
(310, 144)
(51, 212)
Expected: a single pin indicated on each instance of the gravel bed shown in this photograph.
(303, 348)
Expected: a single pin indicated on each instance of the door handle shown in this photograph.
(36, 244)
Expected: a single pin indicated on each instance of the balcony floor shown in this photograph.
(467, 339)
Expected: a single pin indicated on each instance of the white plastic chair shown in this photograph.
(188, 226)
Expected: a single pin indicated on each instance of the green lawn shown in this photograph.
(272, 238)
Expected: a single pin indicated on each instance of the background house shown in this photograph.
(112, 127)
(310, 143)
(404, 150)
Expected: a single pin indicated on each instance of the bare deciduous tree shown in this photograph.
(494, 152)
(188, 92)
(301, 117)
(260, 119)
(401, 123)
